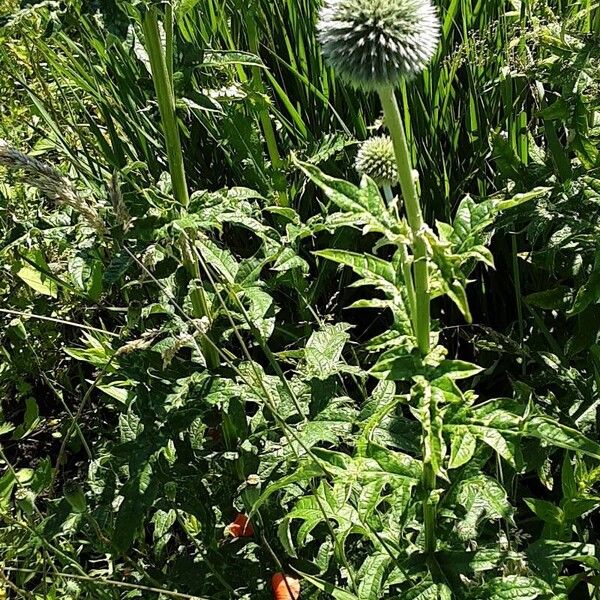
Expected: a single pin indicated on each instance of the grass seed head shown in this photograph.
(375, 43)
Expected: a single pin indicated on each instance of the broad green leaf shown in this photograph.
(395, 463)
(397, 365)
(38, 281)
(546, 511)
(261, 311)
(574, 509)
(513, 587)
(498, 441)
(456, 369)
(323, 352)
(219, 259)
(478, 561)
(130, 426)
(470, 221)
(303, 473)
(427, 590)
(555, 434)
(462, 447)
(138, 494)
(590, 291)
(556, 298)
(87, 273)
(371, 576)
(547, 556)
(483, 498)
(369, 499)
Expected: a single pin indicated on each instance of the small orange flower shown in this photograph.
(285, 587)
(241, 527)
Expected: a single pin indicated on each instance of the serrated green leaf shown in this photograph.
(365, 202)
(374, 269)
(371, 576)
(219, 259)
(556, 434)
(462, 447)
(324, 349)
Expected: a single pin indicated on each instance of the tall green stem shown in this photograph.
(162, 75)
(406, 270)
(263, 115)
(422, 318)
(166, 105)
(414, 214)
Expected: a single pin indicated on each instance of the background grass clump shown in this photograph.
(213, 373)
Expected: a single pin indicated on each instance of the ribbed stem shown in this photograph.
(161, 65)
(166, 104)
(422, 320)
(264, 116)
(406, 270)
(413, 212)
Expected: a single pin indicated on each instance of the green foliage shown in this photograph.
(238, 334)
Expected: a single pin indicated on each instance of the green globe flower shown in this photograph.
(377, 160)
(375, 43)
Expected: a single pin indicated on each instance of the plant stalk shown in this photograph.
(422, 314)
(263, 115)
(166, 104)
(414, 214)
(162, 75)
(406, 270)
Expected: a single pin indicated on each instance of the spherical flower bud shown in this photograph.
(375, 43)
(376, 159)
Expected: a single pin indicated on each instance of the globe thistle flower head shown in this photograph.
(374, 43)
(376, 159)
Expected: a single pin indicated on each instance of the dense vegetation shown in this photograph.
(217, 363)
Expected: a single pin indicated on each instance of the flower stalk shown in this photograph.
(162, 75)
(263, 115)
(406, 269)
(375, 45)
(421, 307)
(422, 320)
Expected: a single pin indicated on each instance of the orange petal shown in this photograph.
(241, 527)
(285, 587)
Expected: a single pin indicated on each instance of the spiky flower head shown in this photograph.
(376, 159)
(374, 43)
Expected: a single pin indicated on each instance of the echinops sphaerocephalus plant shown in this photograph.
(372, 43)
(377, 160)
